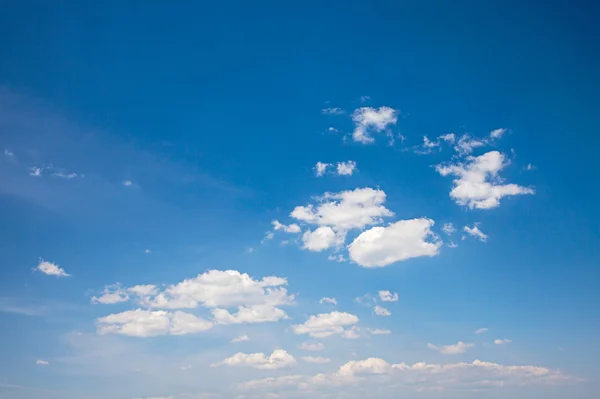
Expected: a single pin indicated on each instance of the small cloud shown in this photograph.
(378, 331)
(311, 346)
(481, 331)
(51, 269)
(332, 130)
(531, 167)
(475, 232)
(320, 168)
(241, 338)
(455, 349)
(448, 228)
(497, 133)
(68, 176)
(35, 171)
(127, 183)
(366, 300)
(269, 236)
(147, 251)
(452, 244)
(331, 301)
(387, 296)
(345, 168)
(9, 153)
(364, 99)
(337, 258)
(317, 359)
(332, 111)
(448, 138)
(381, 311)
(502, 341)
(369, 120)
(42, 362)
(249, 250)
(292, 228)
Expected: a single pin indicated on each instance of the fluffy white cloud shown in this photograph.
(477, 184)
(277, 360)
(481, 331)
(455, 349)
(249, 314)
(332, 111)
(448, 228)
(381, 311)
(497, 133)
(475, 232)
(332, 301)
(502, 341)
(369, 120)
(466, 144)
(419, 376)
(378, 331)
(241, 338)
(51, 269)
(321, 238)
(147, 323)
(320, 168)
(387, 296)
(316, 359)
(345, 168)
(292, 228)
(381, 246)
(327, 324)
(42, 362)
(311, 346)
(112, 294)
(345, 210)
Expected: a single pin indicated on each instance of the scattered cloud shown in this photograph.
(51, 269)
(387, 296)
(9, 153)
(345, 168)
(68, 176)
(332, 111)
(448, 228)
(241, 338)
(452, 244)
(381, 311)
(455, 349)
(320, 168)
(378, 331)
(497, 133)
(481, 331)
(477, 184)
(475, 232)
(316, 359)
(311, 346)
(147, 323)
(383, 246)
(332, 130)
(127, 183)
(466, 144)
(35, 171)
(502, 341)
(364, 98)
(530, 167)
(292, 228)
(331, 301)
(249, 314)
(42, 362)
(369, 120)
(147, 251)
(112, 294)
(279, 359)
(321, 238)
(337, 258)
(326, 324)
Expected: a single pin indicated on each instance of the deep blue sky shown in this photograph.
(213, 112)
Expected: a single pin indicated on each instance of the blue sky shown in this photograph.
(367, 198)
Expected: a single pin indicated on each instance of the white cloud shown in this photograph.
(369, 120)
(332, 111)
(332, 130)
(466, 144)
(127, 183)
(452, 244)
(475, 232)
(268, 236)
(345, 168)
(311, 346)
(241, 338)
(67, 176)
(51, 269)
(326, 324)
(279, 359)
(337, 258)
(364, 98)
(481, 331)
(320, 168)
(147, 323)
(345, 210)
(351, 333)
(405, 239)
(321, 238)
(332, 301)
(530, 167)
(35, 171)
(387, 296)
(497, 133)
(378, 331)
(502, 341)
(477, 184)
(448, 228)
(448, 138)
(249, 314)
(477, 375)
(42, 362)
(316, 359)
(455, 349)
(112, 294)
(381, 311)
(147, 251)
(292, 228)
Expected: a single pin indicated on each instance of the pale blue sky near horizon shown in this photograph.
(168, 137)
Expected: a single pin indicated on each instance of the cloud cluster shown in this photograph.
(340, 169)
(454, 349)
(279, 359)
(369, 120)
(147, 323)
(327, 324)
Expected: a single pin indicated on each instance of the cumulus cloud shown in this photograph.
(477, 183)
(345, 168)
(147, 323)
(381, 311)
(320, 168)
(455, 349)
(332, 301)
(466, 144)
(51, 269)
(497, 133)
(292, 228)
(369, 120)
(279, 359)
(321, 238)
(249, 314)
(475, 232)
(477, 375)
(241, 338)
(381, 246)
(311, 346)
(387, 296)
(316, 359)
(481, 331)
(502, 341)
(448, 228)
(112, 294)
(42, 362)
(327, 324)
